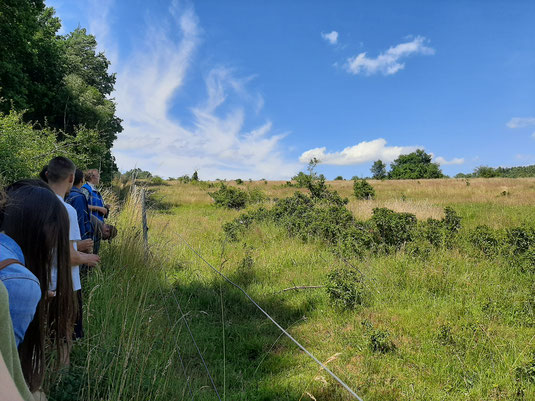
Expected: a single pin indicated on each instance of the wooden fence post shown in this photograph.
(144, 219)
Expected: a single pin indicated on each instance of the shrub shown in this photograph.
(229, 197)
(451, 221)
(485, 239)
(256, 195)
(239, 181)
(339, 178)
(393, 229)
(346, 288)
(520, 238)
(380, 341)
(363, 190)
(156, 180)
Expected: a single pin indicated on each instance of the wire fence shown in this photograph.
(283, 331)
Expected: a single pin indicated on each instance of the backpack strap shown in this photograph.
(7, 262)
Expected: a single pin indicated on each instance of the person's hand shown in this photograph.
(91, 259)
(85, 245)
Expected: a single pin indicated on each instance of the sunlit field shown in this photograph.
(453, 323)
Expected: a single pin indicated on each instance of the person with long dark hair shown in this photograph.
(34, 230)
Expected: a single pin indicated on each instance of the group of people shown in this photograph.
(50, 233)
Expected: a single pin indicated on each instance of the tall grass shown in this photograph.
(462, 324)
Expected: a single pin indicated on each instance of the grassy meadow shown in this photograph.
(455, 323)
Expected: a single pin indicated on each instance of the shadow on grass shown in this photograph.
(252, 353)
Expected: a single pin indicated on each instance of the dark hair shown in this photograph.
(78, 176)
(59, 169)
(37, 221)
(42, 173)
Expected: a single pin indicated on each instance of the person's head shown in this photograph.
(92, 176)
(37, 221)
(42, 173)
(78, 178)
(108, 232)
(61, 170)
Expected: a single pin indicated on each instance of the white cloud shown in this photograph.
(443, 162)
(521, 122)
(216, 143)
(331, 37)
(361, 153)
(388, 63)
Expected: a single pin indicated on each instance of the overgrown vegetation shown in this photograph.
(363, 190)
(60, 82)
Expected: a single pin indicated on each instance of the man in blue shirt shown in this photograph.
(78, 201)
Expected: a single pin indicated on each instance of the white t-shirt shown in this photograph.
(74, 235)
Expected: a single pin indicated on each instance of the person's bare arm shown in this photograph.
(99, 209)
(79, 258)
(85, 245)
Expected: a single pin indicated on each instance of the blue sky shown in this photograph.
(254, 89)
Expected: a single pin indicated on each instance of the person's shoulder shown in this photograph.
(71, 211)
(16, 271)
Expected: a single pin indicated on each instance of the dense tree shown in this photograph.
(59, 82)
(378, 170)
(414, 165)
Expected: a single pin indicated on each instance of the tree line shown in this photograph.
(55, 90)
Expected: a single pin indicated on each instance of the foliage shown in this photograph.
(414, 165)
(157, 180)
(393, 229)
(346, 288)
(363, 190)
(504, 172)
(229, 197)
(239, 181)
(485, 239)
(137, 174)
(378, 170)
(195, 176)
(60, 82)
(339, 178)
(380, 341)
(304, 180)
(24, 150)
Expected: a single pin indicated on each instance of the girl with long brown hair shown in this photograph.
(34, 229)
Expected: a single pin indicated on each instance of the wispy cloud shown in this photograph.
(217, 139)
(521, 122)
(363, 152)
(443, 162)
(389, 62)
(331, 37)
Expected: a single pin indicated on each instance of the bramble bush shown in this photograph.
(380, 341)
(363, 190)
(229, 197)
(346, 288)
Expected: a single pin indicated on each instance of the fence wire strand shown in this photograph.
(335, 377)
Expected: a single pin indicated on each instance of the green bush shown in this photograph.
(229, 197)
(24, 150)
(380, 341)
(256, 195)
(520, 238)
(156, 180)
(485, 239)
(239, 181)
(393, 229)
(346, 288)
(363, 190)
